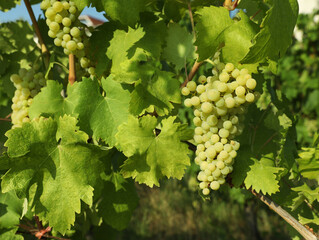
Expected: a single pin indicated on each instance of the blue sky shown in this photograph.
(20, 12)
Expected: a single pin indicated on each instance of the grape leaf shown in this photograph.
(276, 31)
(55, 169)
(179, 46)
(97, 115)
(238, 41)
(125, 11)
(10, 210)
(211, 24)
(308, 163)
(8, 4)
(305, 191)
(119, 199)
(10, 234)
(122, 61)
(260, 170)
(154, 37)
(152, 157)
(157, 93)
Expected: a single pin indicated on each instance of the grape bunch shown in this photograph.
(219, 102)
(28, 84)
(67, 30)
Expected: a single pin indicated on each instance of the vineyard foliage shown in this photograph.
(76, 161)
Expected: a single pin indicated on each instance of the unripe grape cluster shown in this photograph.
(219, 102)
(28, 84)
(65, 28)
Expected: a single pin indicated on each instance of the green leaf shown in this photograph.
(263, 177)
(305, 191)
(211, 24)
(10, 234)
(55, 169)
(125, 58)
(97, 115)
(154, 37)
(179, 46)
(308, 163)
(155, 94)
(238, 41)
(276, 31)
(119, 199)
(10, 210)
(8, 4)
(125, 11)
(152, 157)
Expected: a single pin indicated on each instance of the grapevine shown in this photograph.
(90, 113)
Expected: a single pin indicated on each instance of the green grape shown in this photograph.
(58, 18)
(235, 73)
(250, 97)
(66, 22)
(185, 91)
(214, 185)
(202, 79)
(213, 95)
(57, 6)
(71, 45)
(200, 89)
(50, 13)
(191, 86)
(251, 83)
(229, 67)
(72, 10)
(66, 30)
(195, 101)
(45, 4)
(75, 32)
(206, 191)
(207, 107)
(57, 42)
(241, 80)
(240, 91)
(230, 102)
(224, 77)
(227, 125)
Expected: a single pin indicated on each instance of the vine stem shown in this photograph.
(44, 49)
(286, 216)
(191, 18)
(72, 76)
(192, 73)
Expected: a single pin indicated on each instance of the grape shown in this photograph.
(72, 10)
(191, 86)
(250, 97)
(75, 32)
(229, 67)
(224, 77)
(206, 191)
(188, 102)
(240, 91)
(66, 22)
(214, 185)
(195, 101)
(45, 4)
(58, 18)
(213, 95)
(202, 79)
(207, 107)
(71, 45)
(57, 6)
(230, 102)
(200, 89)
(235, 73)
(185, 91)
(251, 83)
